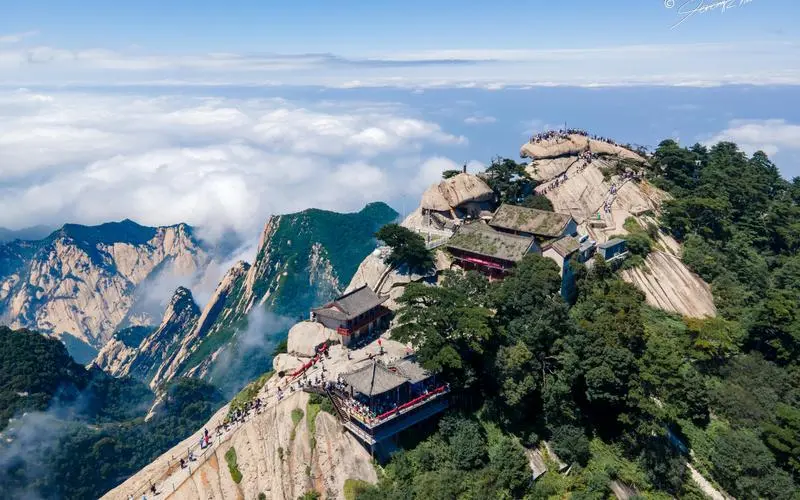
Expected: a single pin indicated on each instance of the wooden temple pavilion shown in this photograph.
(481, 247)
(377, 401)
(545, 227)
(353, 314)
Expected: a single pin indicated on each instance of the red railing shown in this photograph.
(485, 263)
(412, 403)
(311, 363)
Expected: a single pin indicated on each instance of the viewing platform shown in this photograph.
(377, 402)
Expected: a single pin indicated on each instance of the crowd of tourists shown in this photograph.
(565, 133)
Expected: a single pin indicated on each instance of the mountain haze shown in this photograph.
(301, 260)
(83, 280)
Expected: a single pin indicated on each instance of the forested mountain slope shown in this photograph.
(628, 395)
(78, 432)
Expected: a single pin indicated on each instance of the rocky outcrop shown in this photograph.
(277, 455)
(669, 285)
(601, 194)
(143, 360)
(455, 191)
(83, 280)
(305, 336)
(574, 145)
(218, 308)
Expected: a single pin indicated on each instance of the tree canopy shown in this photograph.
(408, 248)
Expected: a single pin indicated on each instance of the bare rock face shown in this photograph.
(455, 191)
(82, 280)
(670, 286)
(274, 455)
(306, 335)
(600, 197)
(141, 361)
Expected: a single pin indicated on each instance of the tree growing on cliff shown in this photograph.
(408, 248)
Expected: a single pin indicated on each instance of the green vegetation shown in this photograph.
(509, 180)
(408, 248)
(354, 487)
(249, 393)
(233, 467)
(133, 336)
(75, 451)
(450, 173)
(324, 403)
(346, 240)
(309, 495)
(262, 496)
(36, 373)
(539, 202)
(312, 410)
(620, 390)
(297, 417)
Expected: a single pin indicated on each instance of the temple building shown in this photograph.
(354, 314)
(544, 227)
(613, 250)
(561, 251)
(377, 401)
(479, 246)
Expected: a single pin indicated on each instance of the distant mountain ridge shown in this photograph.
(28, 233)
(82, 280)
(302, 260)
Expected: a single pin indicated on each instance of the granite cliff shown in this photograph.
(86, 281)
(301, 260)
(585, 177)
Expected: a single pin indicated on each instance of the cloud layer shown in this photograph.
(697, 64)
(769, 136)
(214, 162)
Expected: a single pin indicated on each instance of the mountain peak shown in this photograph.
(181, 300)
(108, 233)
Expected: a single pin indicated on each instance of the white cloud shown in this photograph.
(684, 64)
(17, 37)
(770, 136)
(479, 120)
(215, 162)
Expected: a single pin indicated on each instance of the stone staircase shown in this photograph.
(338, 405)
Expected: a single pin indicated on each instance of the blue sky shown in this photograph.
(353, 26)
(221, 113)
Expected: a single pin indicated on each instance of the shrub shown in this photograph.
(408, 248)
(297, 416)
(539, 202)
(233, 467)
(249, 393)
(571, 444)
(354, 487)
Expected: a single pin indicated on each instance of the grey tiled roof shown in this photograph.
(611, 243)
(411, 370)
(373, 379)
(352, 304)
(565, 246)
(530, 220)
(482, 239)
